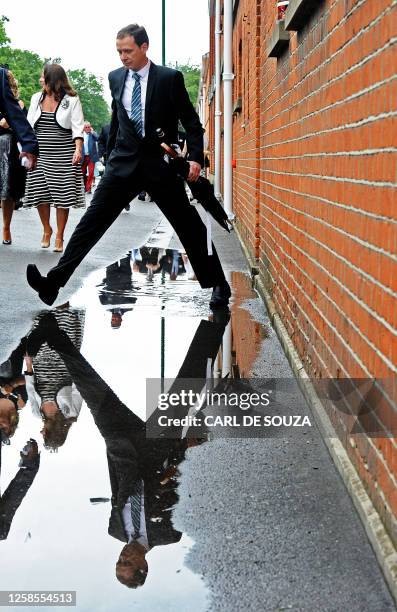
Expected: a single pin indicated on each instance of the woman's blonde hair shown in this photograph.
(13, 84)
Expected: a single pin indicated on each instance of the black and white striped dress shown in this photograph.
(55, 180)
(50, 371)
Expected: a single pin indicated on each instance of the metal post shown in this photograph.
(218, 113)
(163, 32)
(228, 77)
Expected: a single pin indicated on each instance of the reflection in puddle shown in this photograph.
(98, 512)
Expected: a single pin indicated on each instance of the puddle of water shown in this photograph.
(134, 327)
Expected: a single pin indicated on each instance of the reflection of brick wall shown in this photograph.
(313, 191)
(247, 335)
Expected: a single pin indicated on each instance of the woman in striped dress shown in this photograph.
(57, 118)
(52, 394)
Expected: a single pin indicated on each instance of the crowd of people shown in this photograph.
(69, 153)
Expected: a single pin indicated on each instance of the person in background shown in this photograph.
(12, 174)
(56, 115)
(53, 396)
(103, 143)
(14, 494)
(90, 155)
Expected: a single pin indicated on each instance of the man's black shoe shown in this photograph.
(47, 291)
(220, 296)
(127, 208)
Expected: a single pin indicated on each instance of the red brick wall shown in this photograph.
(313, 192)
(328, 227)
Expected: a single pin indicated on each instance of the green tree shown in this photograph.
(90, 91)
(191, 74)
(4, 40)
(27, 68)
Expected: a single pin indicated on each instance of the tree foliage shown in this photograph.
(90, 90)
(27, 68)
(4, 40)
(191, 74)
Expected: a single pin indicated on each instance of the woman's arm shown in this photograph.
(78, 153)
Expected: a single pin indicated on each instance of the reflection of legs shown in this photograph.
(109, 200)
(170, 196)
(7, 208)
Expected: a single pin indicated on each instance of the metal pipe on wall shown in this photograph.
(228, 77)
(218, 113)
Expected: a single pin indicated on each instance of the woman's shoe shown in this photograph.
(7, 237)
(45, 241)
(58, 248)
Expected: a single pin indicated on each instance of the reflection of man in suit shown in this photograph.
(145, 97)
(141, 470)
(114, 290)
(19, 486)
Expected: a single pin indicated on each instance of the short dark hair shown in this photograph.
(136, 31)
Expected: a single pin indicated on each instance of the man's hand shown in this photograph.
(29, 454)
(194, 171)
(32, 159)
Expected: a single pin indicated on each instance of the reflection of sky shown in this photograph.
(69, 546)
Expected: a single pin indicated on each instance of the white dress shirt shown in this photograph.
(129, 87)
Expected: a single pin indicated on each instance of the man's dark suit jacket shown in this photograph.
(167, 103)
(15, 116)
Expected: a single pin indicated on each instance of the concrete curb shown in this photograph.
(382, 544)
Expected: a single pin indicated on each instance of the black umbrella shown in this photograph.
(201, 189)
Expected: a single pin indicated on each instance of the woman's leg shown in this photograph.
(44, 214)
(7, 208)
(62, 218)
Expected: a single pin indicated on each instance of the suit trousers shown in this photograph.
(152, 174)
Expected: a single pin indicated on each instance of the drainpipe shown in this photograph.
(228, 77)
(218, 113)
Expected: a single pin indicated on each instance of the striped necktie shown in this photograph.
(136, 104)
(135, 500)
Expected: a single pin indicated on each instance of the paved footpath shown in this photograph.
(273, 525)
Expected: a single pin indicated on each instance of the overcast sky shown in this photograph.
(83, 33)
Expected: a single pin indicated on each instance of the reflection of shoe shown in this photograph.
(46, 290)
(45, 241)
(127, 207)
(220, 296)
(58, 248)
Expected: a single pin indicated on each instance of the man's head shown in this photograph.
(132, 44)
(116, 320)
(87, 127)
(131, 567)
(8, 417)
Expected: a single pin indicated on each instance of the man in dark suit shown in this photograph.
(103, 142)
(145, 97)
(141, 468)
(15, 117)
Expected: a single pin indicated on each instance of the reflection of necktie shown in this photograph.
(135, 499)
(136, 105)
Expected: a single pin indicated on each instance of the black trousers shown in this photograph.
(114, 193)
